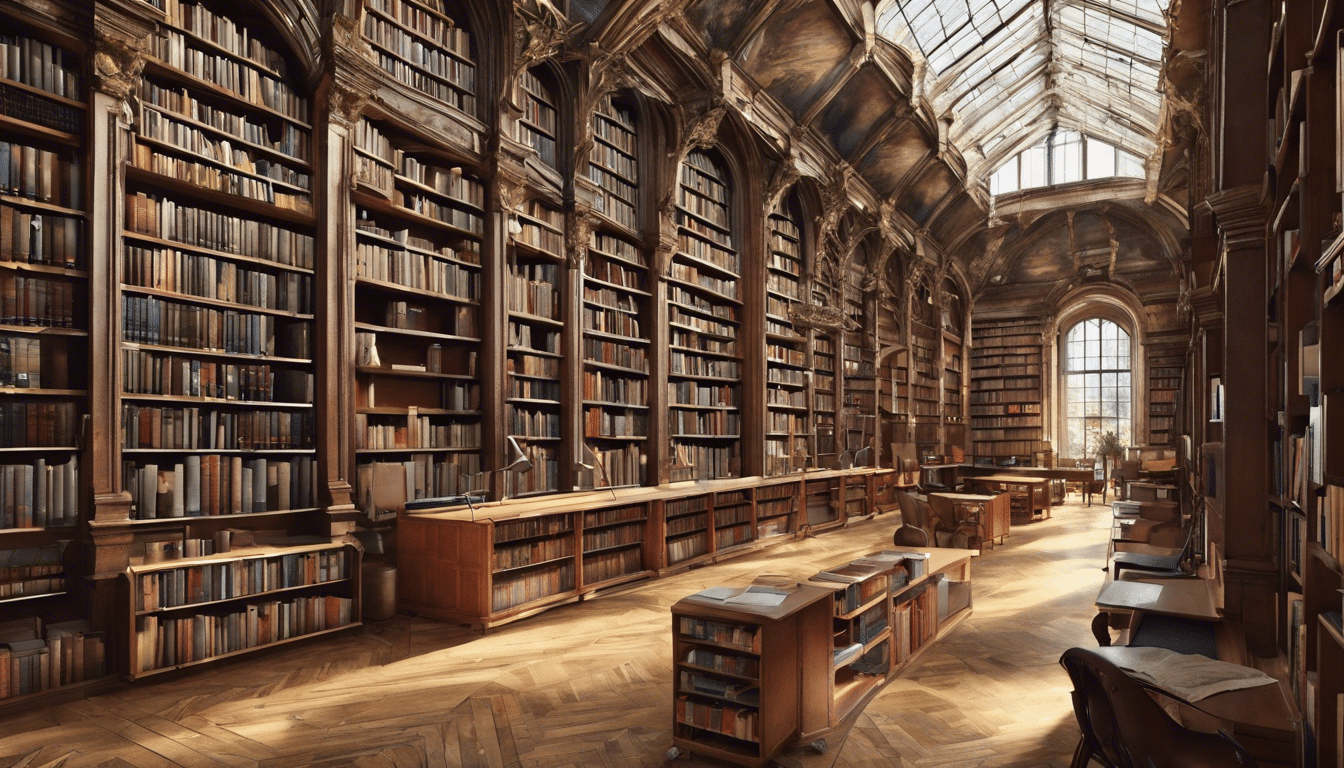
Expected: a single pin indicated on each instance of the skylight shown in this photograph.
(1007, 77)
(1063, 157)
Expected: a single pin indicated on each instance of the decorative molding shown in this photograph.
(578, 235)
(1240, 217)
(120, 46)
(540, 32)
(608, 72)
(785, 176)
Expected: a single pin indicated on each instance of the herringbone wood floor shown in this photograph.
(590, 684)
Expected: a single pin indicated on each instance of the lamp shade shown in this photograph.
(517, 461)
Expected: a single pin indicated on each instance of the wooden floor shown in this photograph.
(590, 684)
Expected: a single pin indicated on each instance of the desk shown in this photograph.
(952, 472)
(1037, 494)
(1261, 719)
(1183, 598)
(995, 513)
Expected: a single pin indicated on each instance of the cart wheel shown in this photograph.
(818, 746)
(673, 753)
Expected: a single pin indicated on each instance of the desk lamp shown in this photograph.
(591, 461)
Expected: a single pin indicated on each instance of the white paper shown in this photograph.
(763, 599)
(1190, 677)
(717, 593)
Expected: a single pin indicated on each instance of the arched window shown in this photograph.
(1097, 385)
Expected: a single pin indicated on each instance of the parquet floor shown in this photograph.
(590, 684)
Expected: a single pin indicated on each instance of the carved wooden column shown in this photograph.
(118, 58)
(339, 104)
(1252, 574)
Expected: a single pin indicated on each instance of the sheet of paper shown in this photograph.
(763, 599)
(1190, 677)
(717, 593)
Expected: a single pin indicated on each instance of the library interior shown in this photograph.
(623, 383)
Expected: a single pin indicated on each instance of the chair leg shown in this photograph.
(1082, 755)
(1101, 628)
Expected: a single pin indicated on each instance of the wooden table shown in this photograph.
(1183, 598)
(1261, 718)
(948, 474)
(995, 513)
(1035, 485)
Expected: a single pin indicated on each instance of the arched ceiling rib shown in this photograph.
(1006, 70)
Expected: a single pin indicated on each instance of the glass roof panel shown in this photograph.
(1095, 67)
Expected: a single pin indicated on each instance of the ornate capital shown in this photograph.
(510, 192)
(1241, 216)
(540, 31)
(785, 176)
(578, 235)
(118, 58)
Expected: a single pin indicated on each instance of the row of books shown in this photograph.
(713, 423)
(531, 422)
(208, 277)
(687, 548)
(692, 300)
(541, 551)
(533, 389)
(223, 150)
(42, 174)
(609, 204)
(36, 657)
(785, 286)
(219, 485)
(455, 248)
(691, 243)
(624, 465)
(540, 237)
(677, 526)
(411, 432)
(41, 65)
(404, 315)
(695, 393)
(532, 288)
(37, 301)
(544, 476)
(162, 217)
(30, 107)
(602, 422)
(612, 321)
(988, 360)
(725, 516)
(691, 275)
(1026, 433)
(163, 642)
(1008, 408)
(426, 56)
(531, 365)
(194, 428)
(742, 636)
(278, 136)
(699, 175)
(246, 81)
(1025, 382)
(413, 15)
(778, 423)
(40, 237)
(549, 525)
(617, 169)
(450, 93)
(790, 376)
(701, 325)
(448, 214)
(1006, 396)
(614, 516)
(605, 387)
(794, 398)
(209, 177)
(599, 268)
(33, 586)
(39, 494)
(426, 476)
(630, 357)
(773, 507)
(723, 661)
(33, 425)
(214, 582)
(419, 271)
(529, 586)
(604, 538)
(150, 320)
(708, 462)
(1007, 421)
(605, 566)
(149, 373)
(685, 506)
(731, 537)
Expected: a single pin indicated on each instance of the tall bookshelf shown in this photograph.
(704, 310)
(1006, 394)
(44, 351)
(788, 426)
(859, 407)
(616, 308)
(824, 400)
(535, 294)
(419, 221)
(925, 385)
(1166, 371)
(217, 272)
(420, 45)
(954, 414)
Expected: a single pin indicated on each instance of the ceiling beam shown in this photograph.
(848, 69)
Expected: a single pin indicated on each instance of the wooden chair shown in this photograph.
(1124, 727)
(916, 522)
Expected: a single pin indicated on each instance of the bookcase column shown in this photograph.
(119, 56)
(338, 109)
(1252, 573)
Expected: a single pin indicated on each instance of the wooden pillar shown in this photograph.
(1252, 574)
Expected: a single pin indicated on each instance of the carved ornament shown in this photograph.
(540, 31)
(607, 74)
(578, 235)
(785, 176)
(117, 63)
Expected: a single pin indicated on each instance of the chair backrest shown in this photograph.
(913, 511)
(1123, 727)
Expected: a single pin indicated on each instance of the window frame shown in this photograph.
(1123, 365)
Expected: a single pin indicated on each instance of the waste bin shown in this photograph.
(378, 590)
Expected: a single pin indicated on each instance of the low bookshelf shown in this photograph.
(190, 611)
(509, 560)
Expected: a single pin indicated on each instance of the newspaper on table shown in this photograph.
(1189, 677)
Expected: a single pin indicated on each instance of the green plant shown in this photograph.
(1109, 446)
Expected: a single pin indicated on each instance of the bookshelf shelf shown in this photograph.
(422, 47)
(1006, 353)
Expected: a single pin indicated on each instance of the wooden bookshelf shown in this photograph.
(824, 400)
(536, 296)
(449, 565)
(1166, 371)
(953, 369)
(617, 313)
(419, 216)
(200, 609)
(858, 358)
(218, 255)
(704, 313)
(419, 44)
(737, 689)
(1006, 395)
(788, 415)
(538, 126)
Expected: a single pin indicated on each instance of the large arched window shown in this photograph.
(1097, 385)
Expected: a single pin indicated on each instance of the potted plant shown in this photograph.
(1109, 450)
